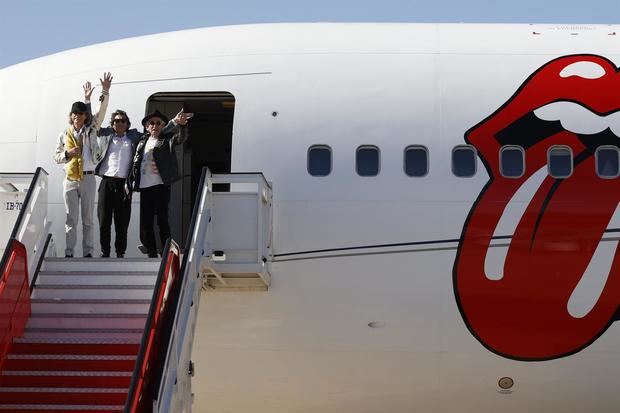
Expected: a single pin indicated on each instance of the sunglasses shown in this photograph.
(119, 120)
(155, 123)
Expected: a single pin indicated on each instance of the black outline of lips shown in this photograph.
(594, 106)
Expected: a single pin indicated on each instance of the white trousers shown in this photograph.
(80, 194)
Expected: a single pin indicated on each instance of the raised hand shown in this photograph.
(182, 117)
(106, 82)
(88, 91)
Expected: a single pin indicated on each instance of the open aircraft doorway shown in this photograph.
(209, 144)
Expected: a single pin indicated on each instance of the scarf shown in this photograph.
(75, 166)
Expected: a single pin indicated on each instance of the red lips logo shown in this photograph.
(551, 286)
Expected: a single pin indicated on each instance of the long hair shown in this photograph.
(123, 114)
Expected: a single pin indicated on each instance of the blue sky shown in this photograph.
(34, 28)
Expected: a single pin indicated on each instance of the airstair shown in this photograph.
(115, 335)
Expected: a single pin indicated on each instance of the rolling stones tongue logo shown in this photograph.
(550, 286)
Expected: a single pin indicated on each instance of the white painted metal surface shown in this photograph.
(10, 204)
(238, 249)
(34, 227)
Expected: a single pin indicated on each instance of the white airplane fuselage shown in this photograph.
(390, 293)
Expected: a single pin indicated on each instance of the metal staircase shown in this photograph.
(115, 335)
(80, 344)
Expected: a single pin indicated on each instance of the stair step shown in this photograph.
(96, 278)
(60, 408)
(101, 264)
(69, 306)
(95, 287)
(97, 273)
(87, 321)
(74, 340)
(105, 379)
(84, 292)
(91, 301)
(75, 348)
(80, 334)
(62, 362)
(60, 395)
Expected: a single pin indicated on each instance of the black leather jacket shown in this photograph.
(164, 155)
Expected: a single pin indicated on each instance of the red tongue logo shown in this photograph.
(523, 312)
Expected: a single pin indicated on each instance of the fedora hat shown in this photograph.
(156, 114)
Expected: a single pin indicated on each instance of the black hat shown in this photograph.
(156, 114)
(78, 107)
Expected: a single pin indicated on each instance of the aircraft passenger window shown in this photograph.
(319, 160)
(464, 161)
(607, 162)
(367, 161)
(512, 161)
(416, 161)
(560, 162)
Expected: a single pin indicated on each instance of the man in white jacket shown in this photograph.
(78, 149)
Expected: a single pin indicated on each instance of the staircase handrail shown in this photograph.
(32, 226)
(27, 200)
(14, 295)
(240, 177)
(161, 310)
(176, 370)
(15, 278)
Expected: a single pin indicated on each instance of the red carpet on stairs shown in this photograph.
(70, 377)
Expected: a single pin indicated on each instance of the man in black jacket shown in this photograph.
(154, 169)
(118, 145)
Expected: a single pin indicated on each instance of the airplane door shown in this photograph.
(209, 144)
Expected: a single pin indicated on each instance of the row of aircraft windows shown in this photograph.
(511, 161)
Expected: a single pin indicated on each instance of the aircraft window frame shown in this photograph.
(501, 161)
(428, 162)
(377, 150)
(572, 161)
(475, 153)
(331, 160)
(596, 165)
